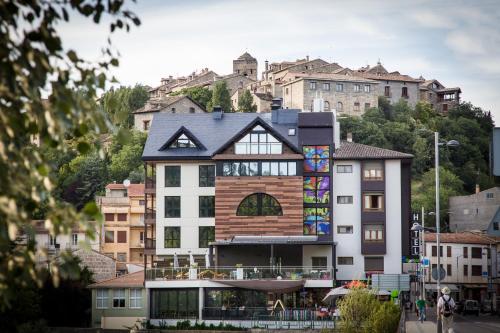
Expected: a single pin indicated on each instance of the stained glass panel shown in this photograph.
(322, 152)
(309, 165)
(309, 196)
(309, 227)
(322, 165)
(323, 183)
(309, 183)
(323, 214)
(309, 151)
(323, 196)
(323, 228)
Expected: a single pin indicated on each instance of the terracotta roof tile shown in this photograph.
(134, 280)
(134, 190)
(466, 237)
(352, 150)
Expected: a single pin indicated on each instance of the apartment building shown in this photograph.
(248, 211)
(470, 263)
(349, 95)
(122, 235)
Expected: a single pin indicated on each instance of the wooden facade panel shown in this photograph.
(230, 191)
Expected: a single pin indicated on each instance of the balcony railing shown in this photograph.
(150, 183)
(150, 214)
(150, 243)
(239, 273)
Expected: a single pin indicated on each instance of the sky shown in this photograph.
(456, 42)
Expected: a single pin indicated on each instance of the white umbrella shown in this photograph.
(191, 260)
(207, 260)
(335, 293)
(383, 292)
(176, 261)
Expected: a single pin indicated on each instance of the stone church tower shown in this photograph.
(246, 65)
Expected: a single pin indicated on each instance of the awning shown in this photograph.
(453, 287)
(265, 285)
(262, 240)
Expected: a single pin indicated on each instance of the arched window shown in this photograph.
(259, 204)
(340, 106)
(327, 106)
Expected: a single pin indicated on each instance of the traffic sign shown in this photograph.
(442, 274)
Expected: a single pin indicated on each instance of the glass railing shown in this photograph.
(239, 273)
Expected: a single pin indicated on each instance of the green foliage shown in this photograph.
(245, 102)
(199, 94)
(126, 162)
(220, 97)
(424, 192)
(35, 61)
(120, 103)
(361, 312)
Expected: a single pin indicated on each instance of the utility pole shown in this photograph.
(436, 167)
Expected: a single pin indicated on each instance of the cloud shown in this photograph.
(432, 19)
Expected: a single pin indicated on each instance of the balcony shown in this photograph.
(150, 216)
(149, 246)
(150, 185)
(239, 273)
(114, 201)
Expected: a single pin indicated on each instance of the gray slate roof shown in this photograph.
(213, 134)
(352, 150)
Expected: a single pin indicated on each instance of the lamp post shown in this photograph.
(437, 144)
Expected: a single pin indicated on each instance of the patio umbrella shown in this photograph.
(191, 260)
(176, 261)
(207, 260)
(335, 293)
(383, 292)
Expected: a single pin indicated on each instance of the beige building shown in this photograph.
(261, 100)
(349, 95)
(122, 236)
(441, 98)
(172, 104)
(392, 85)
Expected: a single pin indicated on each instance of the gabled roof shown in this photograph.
(133, 190)
(186, 132)
(358, 151)
(156, 105)
(246, 56)
(327, 76)
(211, 132)
(134, 280)
(290, 68)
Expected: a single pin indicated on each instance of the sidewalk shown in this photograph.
(413, 325)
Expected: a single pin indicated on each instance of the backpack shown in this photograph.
(447, 311)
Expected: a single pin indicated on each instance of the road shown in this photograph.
(468, 324)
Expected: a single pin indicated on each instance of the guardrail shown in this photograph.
(239, 273)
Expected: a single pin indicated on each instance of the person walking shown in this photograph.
(445, 307)
(420, 304)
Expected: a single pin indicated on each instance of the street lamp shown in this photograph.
(437, 144)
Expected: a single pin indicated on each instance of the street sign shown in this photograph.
(485, 274)
(415, 235)
(425, 262)
(435, 273)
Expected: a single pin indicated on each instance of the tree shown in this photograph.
(424, 192)
(46, 91)
(120, 103)
(200, 95)
(245, 102)
(126, 162)
(220, 97)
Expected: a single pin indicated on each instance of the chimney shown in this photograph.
(276, 104)
(217, 112)
(477, 189)
(349, 137)
(307, 58)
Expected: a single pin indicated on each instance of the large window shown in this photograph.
(172, 206)
(316, 221)
(259, 169)
(404, 92)
(135, 298)
(174, 303)
(476, 252)
(357, 88)
(109, 217)
(109, 236)
(339, 87)
(101, 299)
(373, 232)
(317, 189)
(476, 270)
(374, 264)
(207, 176)
(344, 229)
(344, 199)
(119, 298)
(182, 141)
(258, 141)
(172, 237)
(319, 262)
(312, 85)
(121, 236)
(240, 169)
(279, 168)
(172, 176)
(373, 170)
(373, 202)
(122, 217)
(344, 168)
(206, 235)
(316, 158)
(259, 204)
(207, 206)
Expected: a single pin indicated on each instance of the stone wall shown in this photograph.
(396, 91)
(102, 267)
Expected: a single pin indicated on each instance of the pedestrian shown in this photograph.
(445, 307)
(420, 305)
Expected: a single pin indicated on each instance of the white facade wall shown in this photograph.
(392, 259)
(309, 251)
(189, 222)
(348, 245)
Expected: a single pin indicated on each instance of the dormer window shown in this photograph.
(258, 142)
(182, 142)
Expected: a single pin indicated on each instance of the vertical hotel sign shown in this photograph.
(415, 235)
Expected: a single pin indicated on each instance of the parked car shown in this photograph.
(486, 306)
(459, 306)
(471, 306)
